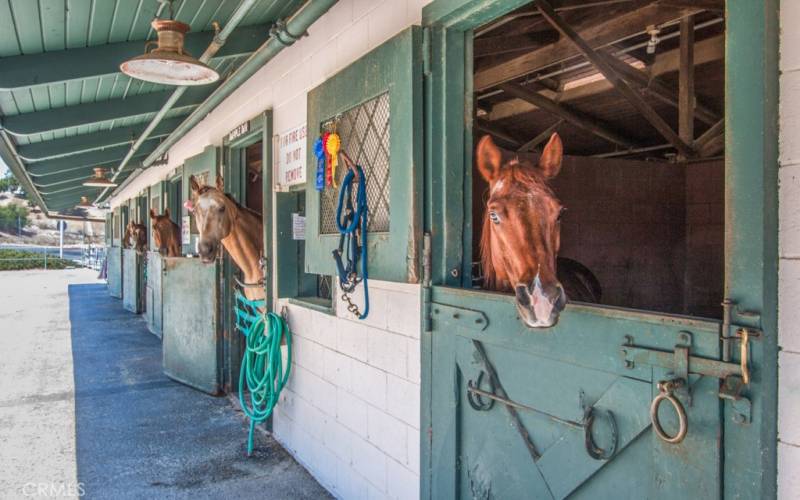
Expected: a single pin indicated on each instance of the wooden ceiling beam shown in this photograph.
(712, 5)
(598, 35)
(612, 76)
(539, 139)
(706, 51)
(496, 132)
(657, 89)
(574, 117)
(495, 45)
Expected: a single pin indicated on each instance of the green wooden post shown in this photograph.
(751, 256)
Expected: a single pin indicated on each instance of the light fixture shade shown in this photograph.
(169, 63)
(85, 203)
(99, 179)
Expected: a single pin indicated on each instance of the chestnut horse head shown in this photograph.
(136, 237)
(521, 230)
(166, 234)
(222, 221)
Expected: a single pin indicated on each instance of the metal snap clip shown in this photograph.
(665, 392)
(592, 449)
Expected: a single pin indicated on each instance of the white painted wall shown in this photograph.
(351, 410)
(789, 264)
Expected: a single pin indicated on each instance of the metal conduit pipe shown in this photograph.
(219, 40)
(282, 36)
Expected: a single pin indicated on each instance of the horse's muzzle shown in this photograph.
(207, 251)
(540, 306)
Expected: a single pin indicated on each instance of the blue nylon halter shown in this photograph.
(348, 242)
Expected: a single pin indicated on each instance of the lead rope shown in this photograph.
(352, 229)
(262, 364)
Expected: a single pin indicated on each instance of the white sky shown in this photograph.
(3, 169)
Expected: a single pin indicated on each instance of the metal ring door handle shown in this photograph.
(665, 388)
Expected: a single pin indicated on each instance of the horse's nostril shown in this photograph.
(523, 296)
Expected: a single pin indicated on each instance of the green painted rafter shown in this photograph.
(46, 170)
(76, 64)
(91, 142)
(98, 112)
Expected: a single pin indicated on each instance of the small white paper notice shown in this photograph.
(186, 228)
(298, 227)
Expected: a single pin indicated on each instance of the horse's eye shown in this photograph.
(221, 208)
(494, 217)
(561, 213)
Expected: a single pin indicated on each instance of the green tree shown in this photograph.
(11, 215)
(9, 183)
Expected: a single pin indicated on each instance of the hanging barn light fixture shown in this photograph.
(99, 179)
(84, 203)
(169, 63)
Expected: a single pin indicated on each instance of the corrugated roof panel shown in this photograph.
(53, 29)
(100, 24)
(78, 13)
(34, 26)
(24, 100)
(29, 31)
(123, 20)
(9, 45)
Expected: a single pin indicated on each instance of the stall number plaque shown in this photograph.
(239, 131)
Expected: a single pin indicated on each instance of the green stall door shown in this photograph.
(192, 341)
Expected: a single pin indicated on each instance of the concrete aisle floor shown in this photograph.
(118, 428)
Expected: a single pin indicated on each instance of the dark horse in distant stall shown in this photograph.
(522, 234)
(166, 234)
(136, 237)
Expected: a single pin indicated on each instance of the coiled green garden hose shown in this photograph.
(262, 364)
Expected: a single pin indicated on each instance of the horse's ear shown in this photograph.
(489, 159)
(220, 184)
(152, 214)
(550, 161)
(194, 185)
(166, 212)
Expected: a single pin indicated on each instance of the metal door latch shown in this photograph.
(734, 376)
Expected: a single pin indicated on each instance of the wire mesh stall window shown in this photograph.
(365, 136)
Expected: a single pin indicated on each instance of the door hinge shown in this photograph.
(466, 318)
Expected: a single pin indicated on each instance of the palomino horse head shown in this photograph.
(166, 234)
(136, 237)
(214, 213)
(521, 230)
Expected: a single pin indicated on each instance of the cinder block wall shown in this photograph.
(789, 252)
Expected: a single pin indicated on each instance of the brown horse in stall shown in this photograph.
(136, 237)
(220, 219)
(521, 235)
(167, 234)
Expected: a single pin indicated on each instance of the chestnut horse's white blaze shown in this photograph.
(521, 235)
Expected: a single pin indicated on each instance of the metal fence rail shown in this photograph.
(91, 256)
